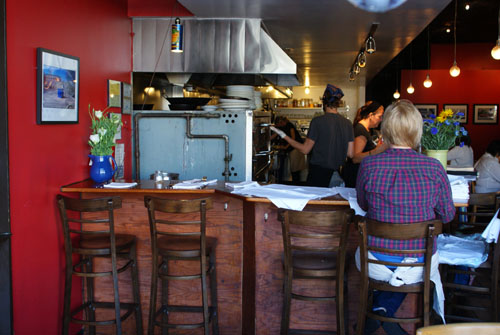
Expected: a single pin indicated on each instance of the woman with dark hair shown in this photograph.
(488, 169)
(367, 118)
(461, 155)
(329, 140)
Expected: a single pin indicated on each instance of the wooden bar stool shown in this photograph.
(175, 243)
(368, 227)
(315, 248)
(95, 237)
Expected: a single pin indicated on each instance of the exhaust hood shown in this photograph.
(212, 46)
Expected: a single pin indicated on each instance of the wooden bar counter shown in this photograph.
(248, 255)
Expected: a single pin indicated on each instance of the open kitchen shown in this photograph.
(181, 110)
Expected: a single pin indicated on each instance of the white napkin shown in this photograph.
(459, 188)
(120, 185)
(242, 185)
(350, 195)
(193, 184)
(457, 250)
(490, 234)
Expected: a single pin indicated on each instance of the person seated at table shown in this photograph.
(367, 118)
(461, 155)
(488, 169)
(400, 185)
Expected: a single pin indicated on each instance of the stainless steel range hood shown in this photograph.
(212, 46)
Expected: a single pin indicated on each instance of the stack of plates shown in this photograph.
(242, 91)
(234, 104)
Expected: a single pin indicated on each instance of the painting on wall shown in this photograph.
(126, 98)
(485, 114)
(459, 108)
(427, 110)
(57, 87)
(114, 93)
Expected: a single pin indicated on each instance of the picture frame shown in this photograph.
(57, 97)
(126, 98)
(114, 93)
(427, 109)
(462, 108)
(485, 114)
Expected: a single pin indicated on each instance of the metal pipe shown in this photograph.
(227, 157)
(187, 116)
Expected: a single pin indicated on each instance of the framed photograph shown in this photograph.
(486, 114)
(462, 108)
(126, 98)
(114, 93)
(57, 87)
(427, 109)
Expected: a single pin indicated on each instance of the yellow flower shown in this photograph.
(440, 118)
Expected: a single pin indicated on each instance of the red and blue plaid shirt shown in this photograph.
(403, 186)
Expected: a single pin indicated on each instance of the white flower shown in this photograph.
(98, 114)
(102, 131)
(94, 138)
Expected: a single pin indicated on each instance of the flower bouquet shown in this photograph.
(102, 140)
(440, 132)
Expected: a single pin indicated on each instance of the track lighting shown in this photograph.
(371, 47)
(362, 59)
(356, 68)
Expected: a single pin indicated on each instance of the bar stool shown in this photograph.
(368, 227)
(315, 248)
(176, 243)
(95, 237)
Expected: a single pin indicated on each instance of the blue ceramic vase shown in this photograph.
(101, 170)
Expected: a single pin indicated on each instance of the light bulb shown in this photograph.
(352, 76)
(410, 89)
(362, 59)
(357, 69)
(454, 70)
(371, 47)
(307, 90)
(467, 6)
(427, 82)
(448, 30)
(495, 52)
(396, 95)
(149, 90)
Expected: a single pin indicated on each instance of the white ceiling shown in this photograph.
(324, 36)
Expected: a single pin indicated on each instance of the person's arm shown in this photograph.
(359, 145)
(350, 149)
(445, 209)
(493, 168)
(305, 147)
(360, 188)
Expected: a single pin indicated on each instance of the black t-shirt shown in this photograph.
(360, 130)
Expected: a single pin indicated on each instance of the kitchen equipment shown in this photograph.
(159, 176)
(187, 103)
(261, 148)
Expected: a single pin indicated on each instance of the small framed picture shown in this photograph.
(126, 98)
(114, 93)
(427, 109)
(459, 108)
(486, 114)
(57, 87)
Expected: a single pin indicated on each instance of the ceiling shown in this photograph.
(324, 36)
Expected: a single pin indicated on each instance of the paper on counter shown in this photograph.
(120, 185)
(193, 184)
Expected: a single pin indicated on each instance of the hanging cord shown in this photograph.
(455, 34)
(161, 52)
(428, 51)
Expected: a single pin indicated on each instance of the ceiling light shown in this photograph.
(377, 5)
(495, 52)
(467, 6)
(455, 70)
(448, 30)
(352, 75)
(396, 94)
(427, 82)
(362, 59)
(288, 91)
(307, 90)
(149, 90)
(269, 88)
(410, 89)
(371, 47)
(357, 69)
(177, 40)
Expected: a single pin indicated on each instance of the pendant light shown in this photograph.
(495, 52)
(455, 70)
(396, 94)
(410, 89)
(177, 40)
(428, 81)
(307, 90)
(357, 69)
(371, 47)
(362, 59)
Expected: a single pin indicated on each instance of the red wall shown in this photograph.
(156, 8)
(44, 157)
(478, 83)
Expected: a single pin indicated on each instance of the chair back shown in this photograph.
(482, 205)
(482, 328)
(315, 232)
(93, 224)
(165, 214)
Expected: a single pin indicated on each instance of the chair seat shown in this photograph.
(184, 243)
(123, 241)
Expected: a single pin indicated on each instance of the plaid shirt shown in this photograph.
(403, 186)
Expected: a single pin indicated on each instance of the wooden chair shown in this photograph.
(427, 230)
(315, 248)
(483, 328)
(177, 244)
(473, 302)
(482, 206)
(95, 237)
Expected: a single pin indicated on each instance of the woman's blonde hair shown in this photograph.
(402, 124)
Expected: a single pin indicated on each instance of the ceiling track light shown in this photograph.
(495, 52)
(371, 46)
(362, 59)
(352, 75)
(455, 70)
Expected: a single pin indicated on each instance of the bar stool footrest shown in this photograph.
(129, 307)
(397, 320)
(184, 309)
